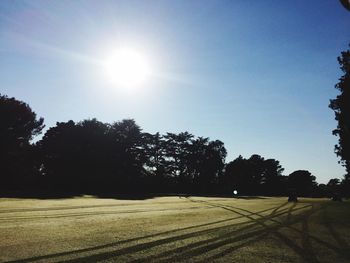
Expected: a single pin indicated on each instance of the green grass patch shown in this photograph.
(173, 229)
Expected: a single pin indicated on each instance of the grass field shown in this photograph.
(173, 229)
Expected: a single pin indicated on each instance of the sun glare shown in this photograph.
(127, 67)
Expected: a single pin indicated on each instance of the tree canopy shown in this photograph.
(92, 157)
(18, 125)
(341, 107)
(255, 175)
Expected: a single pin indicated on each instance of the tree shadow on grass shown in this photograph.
(236, 239)
(179, 253)
(149, 244)
(235, 236)
(306, 250)
(267, 229)
(184, 255)
(342, 243)
(232, 235)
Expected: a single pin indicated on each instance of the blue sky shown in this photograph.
(257, 75)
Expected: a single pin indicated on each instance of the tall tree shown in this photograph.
(333, 186)
(302, 182)
(154, 154)
(239, 176)
(153, 149)
(94, 159)
(18, 125)
(206, 163)
(254, 176)
(272, 178)
(177, 150)
(127, 141)
(60, 149)
(77, 157)
(341, 107)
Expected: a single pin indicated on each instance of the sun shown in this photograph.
(127, 67)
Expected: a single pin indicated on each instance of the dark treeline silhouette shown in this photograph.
(95, 157)
(255, 176)
(18, 126)
(341, 107)
(92, 157)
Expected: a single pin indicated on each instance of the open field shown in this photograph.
(169, 229)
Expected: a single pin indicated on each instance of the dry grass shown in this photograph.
(173, 229)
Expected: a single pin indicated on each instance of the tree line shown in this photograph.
(341, 107)
(92, 157)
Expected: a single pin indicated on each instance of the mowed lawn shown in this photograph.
(174, 229)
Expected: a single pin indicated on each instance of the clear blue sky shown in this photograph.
(257, 75)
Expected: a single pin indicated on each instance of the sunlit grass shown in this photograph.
(169, 229)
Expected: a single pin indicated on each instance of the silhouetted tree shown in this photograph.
(257, 168)
(272, 178)
(322, 191)
(345, 186)
(333, 184)
(95, 155)
(341, 107)
(155, 164)
(177, 151)
(154, 154)
(60, 149)
(346, 4)
(302, 182)
(77, 157)
(206, 163)
(254, 176)
(334, 189)
(239, 175)
(127, 140)
(18, 126)
(99, 158)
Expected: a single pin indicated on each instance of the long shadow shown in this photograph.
(306, 235)
(306, 244)
(133, 249)
(195, 248)
(337, 250)
(204, 246)
(133, 239)
(290, 210)
(233, 248)
(234, 209)
(140, 247)
(307, 253)
(227, 237)
(278, 207)
(199, 250)
(344, 247)
(266, 228)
